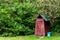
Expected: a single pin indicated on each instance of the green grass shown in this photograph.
(54, 36)
(31, 37)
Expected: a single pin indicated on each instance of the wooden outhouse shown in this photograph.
(42, 25)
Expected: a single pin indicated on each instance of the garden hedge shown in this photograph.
(17, 18)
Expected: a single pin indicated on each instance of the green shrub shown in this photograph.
(17, 19)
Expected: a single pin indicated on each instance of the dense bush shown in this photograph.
(17, 19)
(56, 26)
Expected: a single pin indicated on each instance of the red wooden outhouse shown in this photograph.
(42, 25)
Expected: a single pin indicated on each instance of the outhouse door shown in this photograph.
(40, 30)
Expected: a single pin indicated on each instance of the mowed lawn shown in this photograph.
(30, 37)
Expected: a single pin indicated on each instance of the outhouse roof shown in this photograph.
(45, 17)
